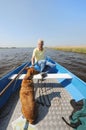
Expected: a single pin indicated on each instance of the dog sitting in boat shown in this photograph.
(27, 96)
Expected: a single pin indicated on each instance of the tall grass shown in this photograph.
(72, 49)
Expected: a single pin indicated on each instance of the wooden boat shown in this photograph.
(55, 93)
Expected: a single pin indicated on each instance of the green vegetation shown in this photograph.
(72, 49)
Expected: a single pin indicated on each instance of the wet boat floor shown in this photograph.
(54, 102)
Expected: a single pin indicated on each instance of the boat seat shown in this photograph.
(49, 76)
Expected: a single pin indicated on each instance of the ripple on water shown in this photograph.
(75, 62)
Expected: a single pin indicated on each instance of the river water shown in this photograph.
(74, 62)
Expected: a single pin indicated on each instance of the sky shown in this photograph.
(57, 22)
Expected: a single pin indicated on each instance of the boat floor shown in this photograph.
(55, 104)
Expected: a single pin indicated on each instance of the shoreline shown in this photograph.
(77, 49)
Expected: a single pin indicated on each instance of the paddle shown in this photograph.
(7, 86)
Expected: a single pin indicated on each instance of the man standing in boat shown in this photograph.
(39, 58)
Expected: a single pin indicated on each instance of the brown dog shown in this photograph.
(27, 97)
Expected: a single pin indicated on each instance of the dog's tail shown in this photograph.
(73, 125)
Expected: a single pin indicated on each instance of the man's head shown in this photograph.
(40, 44)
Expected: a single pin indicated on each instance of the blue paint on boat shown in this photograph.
(75, 86)
(4, 81)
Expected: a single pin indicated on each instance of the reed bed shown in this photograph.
(79, 49)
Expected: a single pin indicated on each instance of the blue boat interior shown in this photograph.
(4, 81)
(75, 86)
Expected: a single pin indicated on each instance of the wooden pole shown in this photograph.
(8, 85)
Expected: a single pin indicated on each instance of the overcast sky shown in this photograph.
(57, 22)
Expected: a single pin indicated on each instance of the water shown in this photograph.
(11, 58)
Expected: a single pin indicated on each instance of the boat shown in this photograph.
(8, 86)
(54, 92)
